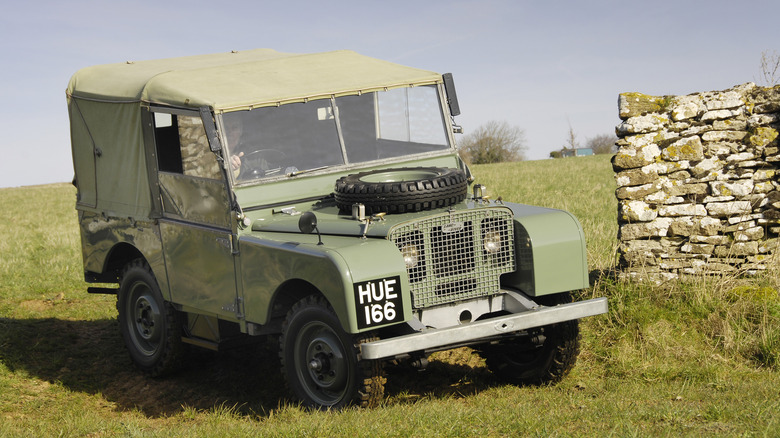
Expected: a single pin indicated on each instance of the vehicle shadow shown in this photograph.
(90, 357)
(453, 373)
(599, 275)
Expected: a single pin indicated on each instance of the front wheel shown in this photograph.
(543, 356)
(320, 360)
(148, 324)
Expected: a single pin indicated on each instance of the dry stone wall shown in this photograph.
(698, 181)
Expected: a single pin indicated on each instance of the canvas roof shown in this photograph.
(242, 80)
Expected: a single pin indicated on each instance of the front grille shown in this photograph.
(452, 262)
(452, 253)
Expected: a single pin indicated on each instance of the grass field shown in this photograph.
(686, 359)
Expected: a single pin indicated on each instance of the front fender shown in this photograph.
(338, 269)
(551, 253)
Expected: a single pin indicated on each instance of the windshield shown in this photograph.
(294, 138)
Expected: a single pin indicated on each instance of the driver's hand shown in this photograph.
(235, 161)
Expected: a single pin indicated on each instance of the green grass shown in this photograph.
(684, 359)
(583, 186)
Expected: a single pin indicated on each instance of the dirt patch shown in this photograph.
(36, 305)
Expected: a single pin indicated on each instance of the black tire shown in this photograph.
(401, 190)
(520, 361)
(321, 363)
(149, 325)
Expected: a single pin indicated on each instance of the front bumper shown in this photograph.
(481, 330)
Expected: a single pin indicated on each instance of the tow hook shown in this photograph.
(420, 363)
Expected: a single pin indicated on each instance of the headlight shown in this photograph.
(492, 242)
(411, 255)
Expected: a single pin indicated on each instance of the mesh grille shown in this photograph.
(453, 263)
(452, 253)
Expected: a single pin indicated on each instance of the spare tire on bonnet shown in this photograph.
(401, 190)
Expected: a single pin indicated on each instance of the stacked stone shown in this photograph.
(698, 182)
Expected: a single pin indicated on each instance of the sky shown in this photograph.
(543, 66)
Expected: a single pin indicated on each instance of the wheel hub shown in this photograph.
(146, 320)
(326, 363)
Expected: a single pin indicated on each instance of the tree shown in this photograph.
(602, 144)
(494, 142)
(571, 142)
(770, 68)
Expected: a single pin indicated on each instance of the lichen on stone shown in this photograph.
(698, 181)
(761, 136)
(634, 104)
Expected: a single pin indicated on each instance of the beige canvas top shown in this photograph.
(104, 102)
(243, 80)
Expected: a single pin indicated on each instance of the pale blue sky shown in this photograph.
(541, 66)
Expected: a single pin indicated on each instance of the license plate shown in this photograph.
(378, 302)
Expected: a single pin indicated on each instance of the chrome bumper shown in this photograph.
(437, 338)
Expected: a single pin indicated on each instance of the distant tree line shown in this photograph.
(493, 142)
(498, 141)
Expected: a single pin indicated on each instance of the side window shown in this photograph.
(166, 137)
(182, 146)
(197, 158)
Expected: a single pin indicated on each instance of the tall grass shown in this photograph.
(694, 358)
(40, 254)
(583, 186)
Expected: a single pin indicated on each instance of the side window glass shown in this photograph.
(166, 138)
(183, 148)
(197, 158)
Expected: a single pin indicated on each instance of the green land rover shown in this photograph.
(317, 199)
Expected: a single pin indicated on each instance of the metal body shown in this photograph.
(155, 160)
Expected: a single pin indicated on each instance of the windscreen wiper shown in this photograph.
(299, 172)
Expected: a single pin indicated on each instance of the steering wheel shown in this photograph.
(260, 163)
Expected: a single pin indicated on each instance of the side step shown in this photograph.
(103, 290)
(202, 343)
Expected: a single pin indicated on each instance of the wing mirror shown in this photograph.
(308, 223)
(452, 97)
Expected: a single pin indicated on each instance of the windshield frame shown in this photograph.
(446, 148)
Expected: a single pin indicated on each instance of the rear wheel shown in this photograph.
(148, 324)
(544, 356)
(320, 360)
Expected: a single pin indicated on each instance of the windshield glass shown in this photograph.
(293, 138)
